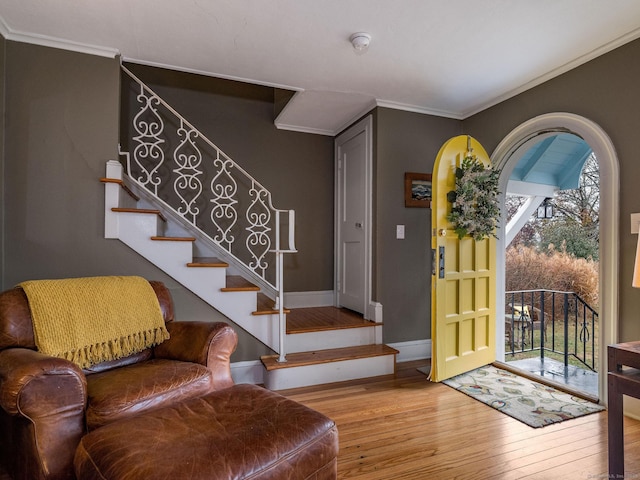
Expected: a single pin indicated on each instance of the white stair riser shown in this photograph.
(206, 279)
(172, 257)
(303, 376)
(347, 337)
(171, 230)
(237, 306)
(138, 226)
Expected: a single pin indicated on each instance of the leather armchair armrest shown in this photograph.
(206, 343)
(30, 383)
(50, 395)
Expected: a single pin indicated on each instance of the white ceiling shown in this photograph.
(444, 57)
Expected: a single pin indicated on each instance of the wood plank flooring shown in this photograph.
(405, 427)
(315, 319)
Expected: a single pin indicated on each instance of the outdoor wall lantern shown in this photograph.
(545, 210)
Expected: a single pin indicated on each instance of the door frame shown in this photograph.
(372, 310)
(505, 158)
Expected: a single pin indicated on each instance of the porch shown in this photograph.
(569, 376)
(553, 335)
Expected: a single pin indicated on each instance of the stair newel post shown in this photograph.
(279, 299)
(292, 231)
(290, 248)
(112, 198)
(280, 302)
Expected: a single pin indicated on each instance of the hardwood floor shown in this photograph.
(315, 319)
(405, 427)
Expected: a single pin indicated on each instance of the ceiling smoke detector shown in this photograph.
(360, 41)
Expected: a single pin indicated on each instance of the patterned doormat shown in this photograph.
(530, 402)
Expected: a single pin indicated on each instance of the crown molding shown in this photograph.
(4, 28)
(618, 42)
(46, 41)
(303, 129)
(417, 109)
(195, 71)
(364, 111)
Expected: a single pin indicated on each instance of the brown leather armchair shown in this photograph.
(48, 404)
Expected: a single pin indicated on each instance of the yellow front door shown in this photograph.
(463, 284)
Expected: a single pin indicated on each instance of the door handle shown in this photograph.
(441, 262)
(358, 225)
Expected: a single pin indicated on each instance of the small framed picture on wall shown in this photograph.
(417, 190)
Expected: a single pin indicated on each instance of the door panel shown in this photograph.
(351, 181)
(463, 293)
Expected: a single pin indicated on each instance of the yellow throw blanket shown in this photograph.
(94, 319)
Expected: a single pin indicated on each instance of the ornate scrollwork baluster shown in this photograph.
(158, 131)
(187, 185)
(258, 242)
(223, 213)
(148, 153)
(584, 332)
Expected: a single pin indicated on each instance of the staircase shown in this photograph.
(192, 211)
(350, 346)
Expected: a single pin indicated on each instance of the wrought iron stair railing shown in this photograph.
(551, 321)
(168, 157)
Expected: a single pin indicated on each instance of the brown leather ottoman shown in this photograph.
(244, 431)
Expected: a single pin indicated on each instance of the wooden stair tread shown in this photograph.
(266, 306)
(327, 356)
(236, 283)
(174, 239)
(123, 185)
(139, 210)
(318, 319)
(207, 262)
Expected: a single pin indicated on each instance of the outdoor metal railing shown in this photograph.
(175, 162)
(565, 324)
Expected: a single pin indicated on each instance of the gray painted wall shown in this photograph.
(606, 91)
(61, 128)
(61, 113)
(406, 142)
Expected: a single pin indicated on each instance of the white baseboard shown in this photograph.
(324, 298)
(248, 372)
(413, 350)
(374, 312)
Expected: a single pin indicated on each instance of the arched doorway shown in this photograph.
(505, 157)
